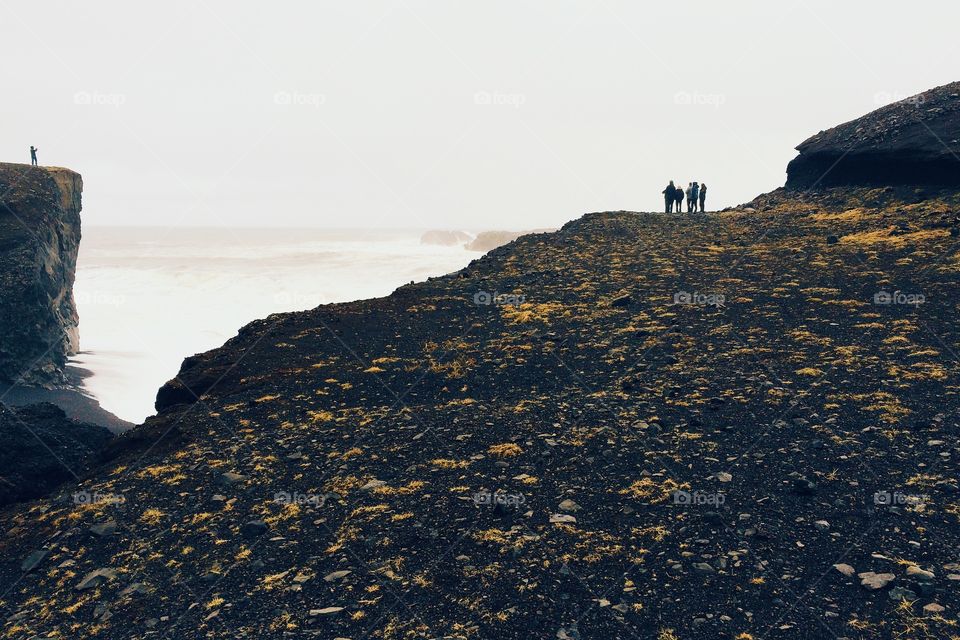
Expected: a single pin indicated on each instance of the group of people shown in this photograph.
(696, 194)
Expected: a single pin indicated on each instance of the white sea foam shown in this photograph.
(147, 298)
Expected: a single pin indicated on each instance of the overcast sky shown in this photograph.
(440, 113)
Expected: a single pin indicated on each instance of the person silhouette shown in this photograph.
(679, 197)
(33, 155)
(703, 197)
(668, 196)
(694, 192)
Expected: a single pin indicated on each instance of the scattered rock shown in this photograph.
(919, 574)
(254, 529)
(933, 608)
(874, 581)
(104, 529)
(96, 578)
(33, 560)
(325, 611)
(337, 575)
(845, 569)
(569, 505)
(562, 518)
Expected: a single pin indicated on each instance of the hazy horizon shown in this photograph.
(423, 114)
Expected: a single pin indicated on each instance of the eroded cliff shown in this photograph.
(39, 239)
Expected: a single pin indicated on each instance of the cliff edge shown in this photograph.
(913, 141)
(39, 240)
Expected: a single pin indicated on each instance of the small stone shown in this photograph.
(622, 301)
(845, 569)
(874, 581)
(902, 593)
(325, 611)
(230, 478)
(919, 574)
(337, 575)
(562, 518)
(33, 560)
(933, 608)
(254, 529)
(822, 525)
(569, 505)
(96, 578)
(104, 529)
(373, 484)
(703, 567)
(723, 476)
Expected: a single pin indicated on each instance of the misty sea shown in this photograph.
(149, 297)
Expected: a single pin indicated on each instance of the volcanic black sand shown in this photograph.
(689, 427)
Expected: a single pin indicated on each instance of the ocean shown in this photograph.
(149, 297)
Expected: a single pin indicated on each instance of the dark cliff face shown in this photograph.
(41, 448)
(39, 239)
(915, 141)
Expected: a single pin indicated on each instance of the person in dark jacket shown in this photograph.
(669, 194)
(703, 197)
(679, 198)
(33, 155)
(694, 195)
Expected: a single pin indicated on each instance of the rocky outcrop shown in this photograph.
(41, 448)
(39, 239)
(915, 141)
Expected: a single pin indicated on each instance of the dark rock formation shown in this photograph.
(39, 238)
(41, 448)
(914, 141)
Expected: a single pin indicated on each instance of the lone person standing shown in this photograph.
(668, 196)
(703, 197)
(33, 155)
(679, 199)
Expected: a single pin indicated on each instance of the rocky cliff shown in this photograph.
(913, 141)
(736, 425)
(39, 239)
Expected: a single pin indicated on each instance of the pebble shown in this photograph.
(933, 608)
(845, 569)
(569, 505)
(33, 560)
(96, 578)
(874, 581)
(254, 529)
(919, 574)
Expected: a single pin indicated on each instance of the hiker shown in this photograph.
(694, 193)
(668, 196)
(33, 155)
(679, 199)
(703, 197)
